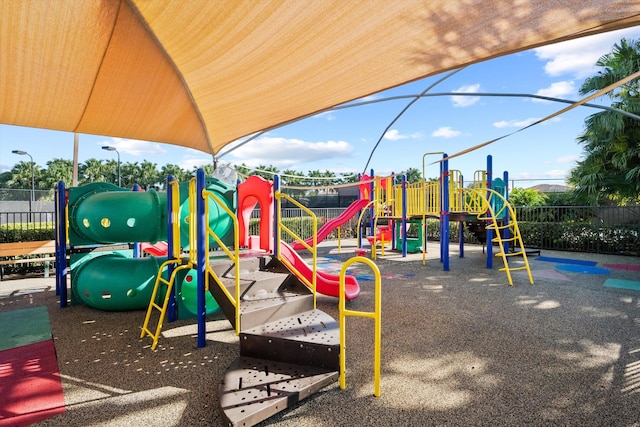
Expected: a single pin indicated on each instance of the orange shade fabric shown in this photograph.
(201, 74)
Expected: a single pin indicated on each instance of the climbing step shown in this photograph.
(255, 389)
(311, 336)
(265, 296)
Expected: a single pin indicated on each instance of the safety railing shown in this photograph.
(456, 187)
(313, 248)
(233, 254)
(376, 315)
(375, 241)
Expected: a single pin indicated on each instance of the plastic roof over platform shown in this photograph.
(201, 74)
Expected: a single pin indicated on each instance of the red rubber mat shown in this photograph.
(30, 384)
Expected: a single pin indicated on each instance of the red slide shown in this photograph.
(326, 284)
(157, 249)
(334, 223)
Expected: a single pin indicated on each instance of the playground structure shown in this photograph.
(482, 207)
(265, 289)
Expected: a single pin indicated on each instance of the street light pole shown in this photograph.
(110, 148)
(32, 196)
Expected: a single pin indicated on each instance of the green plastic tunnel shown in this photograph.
(121, 216)
(100, 213)
(115, 283)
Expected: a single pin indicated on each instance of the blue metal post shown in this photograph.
(61, 245)
(276, 216)
(441, 201)
(202, 256)
(371, 208)
(171, 239)
(444, 234)
(489, 231)
(404, 216)
(136, 245)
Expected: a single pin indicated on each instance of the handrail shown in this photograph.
(376, 315)
(174, 252)
(233, 256)
(311, 248)
(191, 219)
(481, 193)
(359, 223)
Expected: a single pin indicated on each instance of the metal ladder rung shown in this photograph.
(514, 268)
(513, 254)
(510, 239)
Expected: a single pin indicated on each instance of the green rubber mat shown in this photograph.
(23, 327)
(622, 284)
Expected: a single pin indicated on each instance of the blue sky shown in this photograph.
(342, 140)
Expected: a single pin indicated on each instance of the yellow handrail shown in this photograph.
(375, 225)
(485, 195)
(376, 315)
(174, 252)
(312, 248)
(233, 256)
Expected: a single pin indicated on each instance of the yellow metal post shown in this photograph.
(376, 315)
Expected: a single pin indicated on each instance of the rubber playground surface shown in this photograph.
(458, 348)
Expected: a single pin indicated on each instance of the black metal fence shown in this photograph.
(26, 226)
(596, 229)
(600, 229)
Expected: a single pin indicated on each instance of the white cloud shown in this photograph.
(550, 174)
(446, 132)
(285, 152)
(134, 146)
(564, 89)
(556, 173)
(515, 123)
(577, 57)
(394, 135)
(190, 164)
(570, 158)
(327, 115)
(466, 101)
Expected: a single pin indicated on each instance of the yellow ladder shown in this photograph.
(489, 214)
(162, 309)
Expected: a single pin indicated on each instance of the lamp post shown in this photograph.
(33, 191)
(110, 148)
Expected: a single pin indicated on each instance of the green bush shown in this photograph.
(26, 232)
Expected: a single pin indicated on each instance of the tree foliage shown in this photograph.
(527, 197)
(611, 141)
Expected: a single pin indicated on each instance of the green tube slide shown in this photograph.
(120, 216)
(113, 282)
(101, 213)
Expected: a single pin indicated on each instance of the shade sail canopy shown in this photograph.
(201, 74)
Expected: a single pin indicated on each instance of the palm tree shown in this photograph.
(611, 168)
(57, 170)
(148, 177)
(93, 170)
(178, 173)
